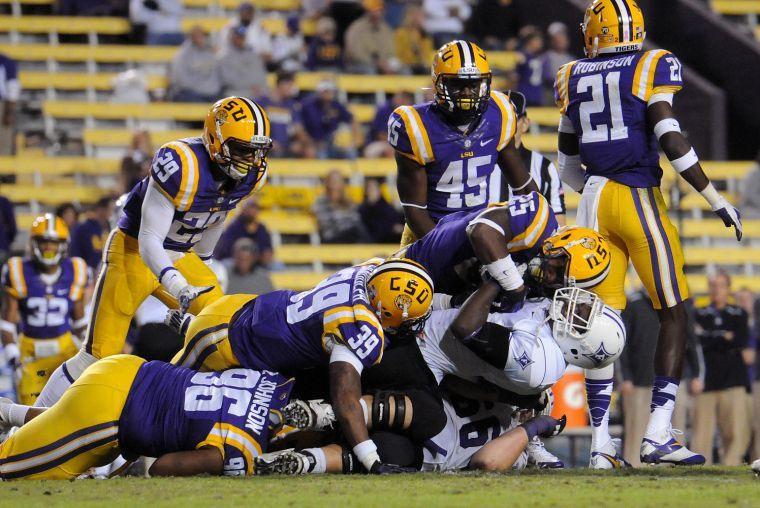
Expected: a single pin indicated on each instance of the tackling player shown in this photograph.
(447, 149)
(342, 322)
(194, 423)
(617, 111)
(44, 294)
(170, 225)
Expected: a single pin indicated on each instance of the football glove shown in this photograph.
(382, 468)
(178, 321)
(189, 293)
(730, 216)
(544, 426)
(12, 355)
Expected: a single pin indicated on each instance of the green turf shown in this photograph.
(713, 487)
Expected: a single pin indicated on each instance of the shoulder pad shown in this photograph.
(358, 329)
(508, 118)
(408, 136)
(561, 88)
(176, 172)
(81, 276)
(13, 278)
(658, 70)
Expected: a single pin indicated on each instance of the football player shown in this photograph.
(170, 225)
(617, 112)
(500, 237)
(44, 296)
(342, 322)
(447, 149)
(194, 423)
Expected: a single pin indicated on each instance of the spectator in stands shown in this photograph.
(257, 37)
(369, 42)
(8, 228)
(325, 52)
(414, 47)
(246, 225)
(723, 330)
(558, 53)
(493, 23)
(193, 73)
(10, 90)
(322, 115)
(337, 215)
(69, 213)
(749, 198)
(377, 137)
(444, 19)
(383, 222)
(135, 165)
(162, 20)
(531, 66)
(288, 48)
(241, 69)
(284, 111)
(246, 275)
(90, 235)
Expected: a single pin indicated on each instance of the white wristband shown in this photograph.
(666, 125)
(79, 323)
(11, 352)
(366, 452)
(660, 97)
(684, 162)
(711, 196)
(174, 281)
(8, 327)
(505, 272)
(527, 182)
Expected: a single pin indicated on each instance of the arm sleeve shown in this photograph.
(557, 192)
(205, 247)
(157, 217)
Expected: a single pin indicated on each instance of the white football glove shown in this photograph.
(189, 293)
(178, 321)
(12, 354)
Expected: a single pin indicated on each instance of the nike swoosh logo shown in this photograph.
(484, 143)
(233, 201)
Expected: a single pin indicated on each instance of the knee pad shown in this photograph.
(381, 416)
(397, 449)
(428, 416)
(78, 363)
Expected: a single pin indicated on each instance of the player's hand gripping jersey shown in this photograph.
(124, 405)
(605, 99)
(287, 331)
(531, 221)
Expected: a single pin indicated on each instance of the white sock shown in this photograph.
(663, 403)
(17, 414)
(598, 393)
(320, 461)
(63, 377)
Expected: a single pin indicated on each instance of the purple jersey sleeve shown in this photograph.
(398, 137)
(668, 72)
(531, 221)
(358, 329)
(167, 170)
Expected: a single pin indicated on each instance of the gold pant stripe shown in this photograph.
(201, 346)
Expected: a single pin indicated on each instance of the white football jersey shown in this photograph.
(469, 426)
(535, 362)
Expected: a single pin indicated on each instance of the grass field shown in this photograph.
(713, 487)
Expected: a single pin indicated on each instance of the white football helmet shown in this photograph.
(590, 334)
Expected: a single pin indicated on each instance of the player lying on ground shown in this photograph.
(192, 422)
(170, 224)
(44, 293)
(342, 323)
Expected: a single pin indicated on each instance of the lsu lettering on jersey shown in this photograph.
(183, 172)
(469, 426)
(531, 221)
(286, 331)
(45, 306)
(459, 166)
(171, 409)
(605, 98)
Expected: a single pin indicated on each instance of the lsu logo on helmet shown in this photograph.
(49, 239)
(401, 292)
(612, 26)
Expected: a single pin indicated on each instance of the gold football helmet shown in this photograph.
(401, 292)
(49, 239)
(573, 256)
(612, 26)
(462, 81)
(236, 136)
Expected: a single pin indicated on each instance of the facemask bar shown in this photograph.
(566, 311)
(235, 156)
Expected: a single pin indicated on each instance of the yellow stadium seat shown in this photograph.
(65, 24)
(695, 201)
(546, 143)
(296, 197)
(292, 254)
(298, 281)
(714, 228)
(105, 53)
(725, 170)
(503, 60)
(122, 137)
(548, 117)
(268, 5)
(736, 7)
(20, 193)
(289, 223)
(698, 283)
(28, 2)
(57, 165)
(78, 80)
(721, 256)
(118, 111)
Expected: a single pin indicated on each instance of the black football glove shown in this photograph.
(381, 468)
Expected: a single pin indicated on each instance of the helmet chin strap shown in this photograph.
(595, 48)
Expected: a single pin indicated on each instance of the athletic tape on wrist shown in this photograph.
(366, 452)
(8, 327)
(711, 196)
(505, 272)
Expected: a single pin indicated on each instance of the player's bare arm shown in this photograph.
(684, 159)
(79, 324)
(514, 170)
(474, 312)
(207, 460)
(489, 235)
(411, 183)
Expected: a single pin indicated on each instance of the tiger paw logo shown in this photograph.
(403, 302)
(221, 116)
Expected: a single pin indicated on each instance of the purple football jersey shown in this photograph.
(286, 331)
(531, 221)
(45, 309)
(459, 166)
(606, 98)
(184, 172)
(171, 409)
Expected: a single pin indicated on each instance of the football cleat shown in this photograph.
(289, 462)
(540, 457)
(756, 467)
(664, 449)
(300, 415)
(608, 457)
